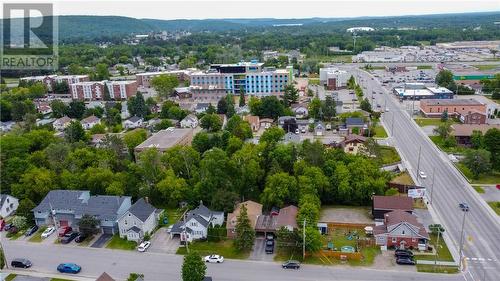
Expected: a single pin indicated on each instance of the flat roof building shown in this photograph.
(166, 139)
(419, 91)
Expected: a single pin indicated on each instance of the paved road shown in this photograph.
(160, 267)
(482, 225)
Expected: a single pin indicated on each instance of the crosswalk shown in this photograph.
(480, 260)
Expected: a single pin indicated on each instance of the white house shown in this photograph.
(195, 223)
(201, 107)
(89, 122)
(190, 121)
(140, 219)
(300, 110)
(61, 123)
(133, 122)
(8, 204)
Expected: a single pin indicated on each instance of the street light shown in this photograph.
(465, 211)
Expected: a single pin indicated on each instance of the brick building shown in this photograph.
(469, 111)
(94, 90)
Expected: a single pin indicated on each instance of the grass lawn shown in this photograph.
(340, 58)
(492, 177)
(16, 235)
(442, 251)
(313, 81)
(380, 132)
(388, 155)
(121, 244)
(486, 66)
(10, 277)
(495, 206)
(224, 248)
(369, 255)
(420, 67)
(9, 80)
(403, 178)
(437, 269)
(438, 141)
(37, 236)
(428, 121)
(173, 215)
(479, 189)
(86, 242)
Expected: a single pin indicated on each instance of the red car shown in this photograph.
(498, 186)
(64, 230)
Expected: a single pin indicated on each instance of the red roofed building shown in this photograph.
(401, 230)
(385, 204)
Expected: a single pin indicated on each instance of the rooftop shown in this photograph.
(466, 130)
(164, 139)
(452, 102)
(392, 202)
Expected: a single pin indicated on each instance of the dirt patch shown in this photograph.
(346, 214)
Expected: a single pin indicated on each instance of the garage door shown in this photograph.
(63, 223)
(107, 230)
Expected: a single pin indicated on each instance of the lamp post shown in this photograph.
(418, 163)
(465, 211)
(432, 186)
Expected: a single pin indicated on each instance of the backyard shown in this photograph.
(224, 248)
(422, 122)
(119, 243)
(380, 132)
(403, 178)
(443, 253)
(388, 155)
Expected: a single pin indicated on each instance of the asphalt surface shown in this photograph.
(160, 267)
(482, 226)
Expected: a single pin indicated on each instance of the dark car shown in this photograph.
(403, 253)
(32, 230)
(13, 230)
(8, 226)
(69, 268)
(64, 230)
(69, 237)
(21, 263)
(80, 238)
(464, 207)
(269, 246)
(405, 261)
(291, 264)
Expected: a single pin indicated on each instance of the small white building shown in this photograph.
(133, 122)
(195, 223)
(8, 205)
(300, 110)
(190, 121)
(89, 122)
(141, 219)
(61, 123)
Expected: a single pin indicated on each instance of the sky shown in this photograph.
(207, 9)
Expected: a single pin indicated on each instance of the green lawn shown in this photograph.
(442, 251)
(438, 141)
(479, 189)
(486, 66)
(403, 178)
(437, 269)
(37, 236)
(429, 121)
(16, 235)
(10, 277)
(380, 132)
(421, 67)
(495, 206)
(492, 177)
(9, 80)
(121, 244)
(369, 255)
(313, 81)
(388, 155)
(173, 215)
(224, 248)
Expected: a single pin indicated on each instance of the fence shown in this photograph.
(403, 188)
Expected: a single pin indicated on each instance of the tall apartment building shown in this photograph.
(94, 90)
(144, 79)
(51, 80)
(251, 77)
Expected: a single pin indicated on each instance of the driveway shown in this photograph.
(101, 241)
(259, 250)
(162, 243)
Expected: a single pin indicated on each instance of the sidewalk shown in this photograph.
(28, 272)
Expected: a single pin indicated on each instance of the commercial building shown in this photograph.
(94, 90)
(333, 78)
(51, 80)
(385, 204)
(144, 79)
(166, 139)
(469, 111)
(463, 132)
(251, 77)
(420, 91)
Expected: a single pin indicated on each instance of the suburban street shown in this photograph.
(482, 226)
(157, 266)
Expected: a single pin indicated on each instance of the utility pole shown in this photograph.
(432, 185)
(461, 241)
(392, 124)
(185, 236)
(304, 240)
(437, 246)
(418, 163)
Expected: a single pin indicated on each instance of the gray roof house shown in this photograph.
(195, 223)
(319, 129)
(291, 137)
(139, 220)
(66, 208)
(8, 205)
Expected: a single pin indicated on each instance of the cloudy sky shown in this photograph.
(167, 9)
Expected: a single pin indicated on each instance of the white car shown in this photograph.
(48, 232)
(214, 258)
(144, 246)
(422, 174)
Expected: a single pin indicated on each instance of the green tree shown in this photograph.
(165, 84)
(59, 109)
(242, 97)
(478, 161)
(193, 267)
(281, 188)
(101, 72)
(19, 222)
(312, 239)
(477, 139)
(365, 105)
(492, 144)
(76, 109)
(74, 132)
(34, 184)
(173, 189)
(291, 95)
(315, 108)
(444, 116)
(443, 130)
(445, 79)
(269, 107)
(230, 106)
(272, 135)
(351, 83)
(222, 106)
(329, 108)
(183, 160)
(391, 192)
(88, 225)
(245, 234)
(137, 105)
(211, 122)
(24, 209)
(134, 138)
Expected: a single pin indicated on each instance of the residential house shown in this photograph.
(284, 217)
(105, 277)
(182, 92)
(6, 126)
(61, 123)
(463, 132)
(266, 123)
(284, 119)
(355, 125)
(97, 140)
(190, 121)
(384, 204)
(353, 143)
(141, 219)
(66, 208)
(303, 125)
(319, 129)
(300, 110)
(195, 223)
(8, 205)
(133, 122)
(89, 122)
(254, 121)
(201, 107)
(43, 107)
(291, 137)
(254, 210)
(401, 230)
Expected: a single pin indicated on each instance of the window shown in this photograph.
(403, 233)
(394, 239)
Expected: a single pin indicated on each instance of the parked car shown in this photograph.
(269, 246)
(13, 230)
(498, 186)
(69, 237)
(8, 226)
(464, 207)
(21, 263)
(214, 259)
(48, 231)
(31, 230)
(144, 246)
(269, 236)
(80, 238)
(291, 264)
(405, 261)
(422, 174)
(403, 254)
(69, 268)
(64, 230)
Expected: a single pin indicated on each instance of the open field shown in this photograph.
(403, 178)
(388, 155)
(380, 132)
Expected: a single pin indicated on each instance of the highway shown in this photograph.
(482, 226)
(161, 267)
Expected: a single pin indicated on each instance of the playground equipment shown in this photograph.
(347, 249)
